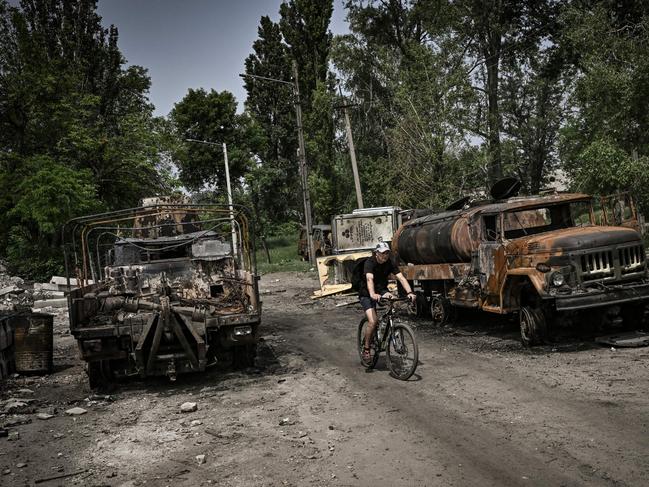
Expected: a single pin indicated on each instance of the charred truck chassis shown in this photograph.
(543, 258)
(172, 293)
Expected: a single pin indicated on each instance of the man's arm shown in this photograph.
(406, 285)
(370, 287)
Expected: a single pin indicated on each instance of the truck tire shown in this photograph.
(441, 310)
(423, 309)
(244, 356)
(100, 375)
(533, 326)
(633, 317)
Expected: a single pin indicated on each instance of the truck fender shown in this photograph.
(515, 282)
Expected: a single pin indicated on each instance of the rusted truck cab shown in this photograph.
(321, 241)
(545, 258)
(174, 289)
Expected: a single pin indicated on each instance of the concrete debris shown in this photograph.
(196, 422)
(45, 287)
(21, 465)
(200, 459)
(76, 411)
(11, 290)
(51, 303)
(44, 416)
(16, 420)
(63, 281)
(14, 405)
(188, 407)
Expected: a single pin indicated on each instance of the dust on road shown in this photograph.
(480, 411)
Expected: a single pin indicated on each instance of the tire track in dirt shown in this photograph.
(551, 443)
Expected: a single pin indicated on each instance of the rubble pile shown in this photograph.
(18, 297)
(12, 291)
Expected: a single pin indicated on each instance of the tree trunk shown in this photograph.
(492, 61)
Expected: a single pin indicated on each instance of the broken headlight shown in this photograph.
(242, 330)
(558, 279)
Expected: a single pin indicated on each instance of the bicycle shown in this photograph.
(397, 340)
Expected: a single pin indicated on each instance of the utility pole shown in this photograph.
(227, 180)
(301, 155)
(352, 156)
(303, 169)
(352, 152)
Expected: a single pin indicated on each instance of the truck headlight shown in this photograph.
(242, 330)
(558, 279)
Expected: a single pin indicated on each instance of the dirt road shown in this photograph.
(480, 411)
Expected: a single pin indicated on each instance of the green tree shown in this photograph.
(406, 72)
(274, 180)
(305, 28)
(73, 119)
(605, 142)
(211, 117)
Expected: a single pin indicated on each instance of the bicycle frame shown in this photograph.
(387, 318)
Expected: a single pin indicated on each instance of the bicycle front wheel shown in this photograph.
(374, 345)
(403, 352)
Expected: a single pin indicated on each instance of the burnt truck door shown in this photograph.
(491, 260)
(317, 241)
(619, 210)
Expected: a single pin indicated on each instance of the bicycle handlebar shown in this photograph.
(391, 300)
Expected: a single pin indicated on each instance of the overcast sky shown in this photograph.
(192, 43)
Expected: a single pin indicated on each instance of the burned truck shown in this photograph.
(544, 258)
(165, 288)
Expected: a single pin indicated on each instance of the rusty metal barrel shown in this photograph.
(436, 239)
(34, 343)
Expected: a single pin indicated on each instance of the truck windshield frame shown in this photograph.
(533, 220)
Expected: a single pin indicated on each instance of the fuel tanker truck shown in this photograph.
(548, 259)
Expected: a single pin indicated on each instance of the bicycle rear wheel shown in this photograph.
(374, 345)
(402, 352)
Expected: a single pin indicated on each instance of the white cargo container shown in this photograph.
(363, 229)
(354, 237)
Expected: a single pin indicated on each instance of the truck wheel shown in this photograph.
(633, 317)
(100, 375)
(423, 310)
(440, 310)
(244, 356)
(533, 326)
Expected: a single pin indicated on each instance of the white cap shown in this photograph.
(382, 247)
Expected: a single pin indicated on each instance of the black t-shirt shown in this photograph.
(380, 273)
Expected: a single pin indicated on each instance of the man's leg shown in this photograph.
(372, 320)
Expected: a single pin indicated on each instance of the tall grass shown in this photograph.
(283, 255)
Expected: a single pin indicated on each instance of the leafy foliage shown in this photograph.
(274, 180)
(605, 142)
(211, 117)
(76, 127)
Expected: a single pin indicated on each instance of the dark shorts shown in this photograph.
(367, 302)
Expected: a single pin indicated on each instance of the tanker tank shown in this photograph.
(436, 239)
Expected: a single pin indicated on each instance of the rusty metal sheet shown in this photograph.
(336, 269)
(434, 271)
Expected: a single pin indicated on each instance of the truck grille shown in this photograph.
(602, 264)
(597, 265)
(632, 259)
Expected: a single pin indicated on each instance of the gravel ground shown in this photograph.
(480, 410)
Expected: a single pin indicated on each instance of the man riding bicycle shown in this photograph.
(374, 286)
